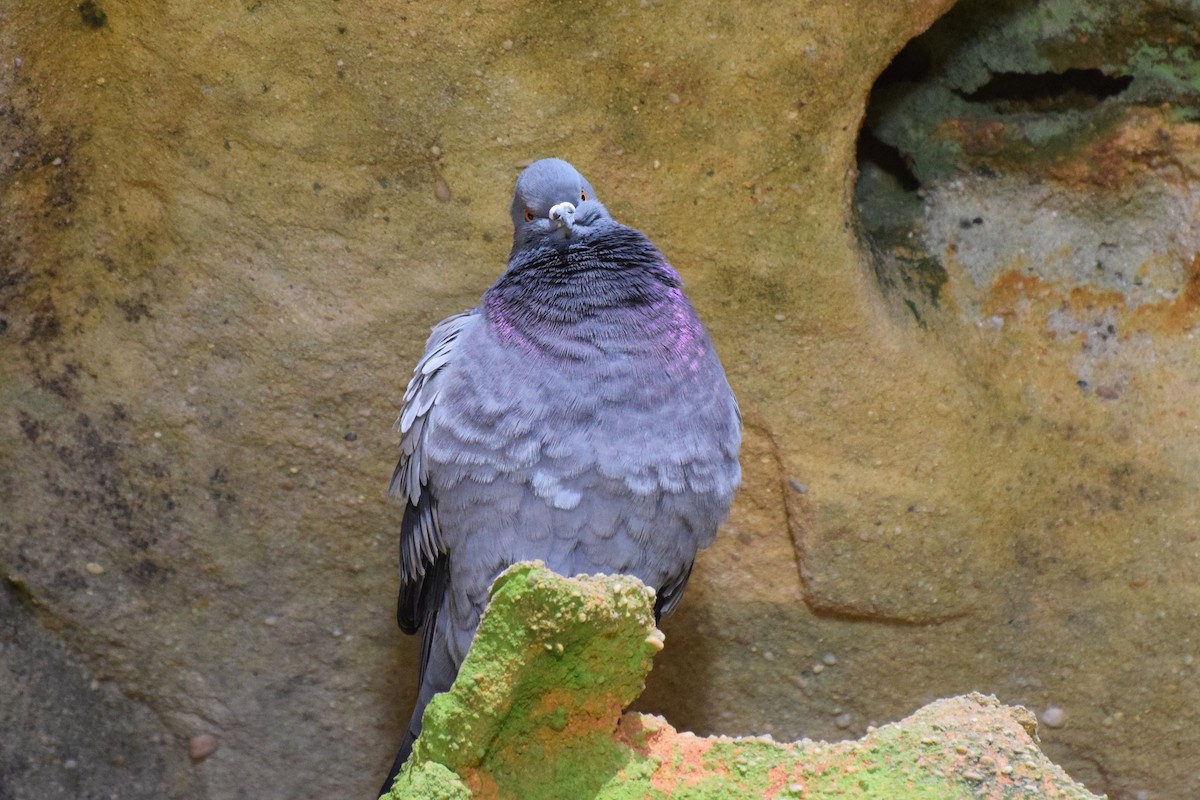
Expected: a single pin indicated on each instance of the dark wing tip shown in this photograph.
(423, 570)
(670, 593)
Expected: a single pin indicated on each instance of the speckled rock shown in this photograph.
(67, 732)
(227, 228)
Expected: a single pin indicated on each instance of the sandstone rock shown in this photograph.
(65, 731)
(223, 242)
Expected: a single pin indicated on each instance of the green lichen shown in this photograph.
(1166, 74)
(539, 696)
(553, 664)
(433, 781)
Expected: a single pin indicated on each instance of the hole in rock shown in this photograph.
(1013, 92)
(1048, 142)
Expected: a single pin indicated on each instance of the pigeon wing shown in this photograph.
(423, 561)
(671, 592)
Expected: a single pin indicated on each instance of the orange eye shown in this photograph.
(582, 195)
(528, 215)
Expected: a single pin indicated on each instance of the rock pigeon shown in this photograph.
(578, 415)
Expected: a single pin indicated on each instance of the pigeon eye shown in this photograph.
(582, 195)
(528, 215)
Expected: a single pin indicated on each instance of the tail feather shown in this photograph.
(402, 755)
(438, 671)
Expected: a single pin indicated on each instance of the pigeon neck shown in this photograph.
(611, 286)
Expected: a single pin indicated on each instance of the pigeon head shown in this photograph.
(553, 205)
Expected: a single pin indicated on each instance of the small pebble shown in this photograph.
(842, 720)
(441, 190)
(780, 317)
(94, 568)
(436, 151)
(201, 746)
(99, 81)
(507, 44)
(829, 659)
(1054, 717)
(818, 669)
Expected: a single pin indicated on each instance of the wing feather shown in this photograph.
(423, 558)
(670, 593)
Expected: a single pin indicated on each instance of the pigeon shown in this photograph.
(578, 416)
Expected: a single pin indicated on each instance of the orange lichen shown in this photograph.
(680, 755)
(783, 777)
(1144, 140)
(974, 136)
(1013, 290)
(1180, 314)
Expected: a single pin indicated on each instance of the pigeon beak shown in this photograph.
(563, 217)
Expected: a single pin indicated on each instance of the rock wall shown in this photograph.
(228, 227)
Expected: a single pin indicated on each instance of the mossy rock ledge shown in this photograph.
(536, 712)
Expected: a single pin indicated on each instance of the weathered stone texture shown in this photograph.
(227, 228)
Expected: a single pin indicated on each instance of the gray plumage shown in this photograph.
(578, 415)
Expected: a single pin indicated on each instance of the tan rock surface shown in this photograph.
(227, 229)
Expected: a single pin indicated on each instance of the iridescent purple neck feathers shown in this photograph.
(613, 284)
